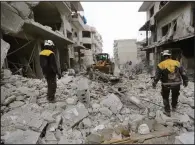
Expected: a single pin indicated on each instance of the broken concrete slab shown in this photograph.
(11, 22)
(87, 122)
(71, 101)
(22, 137)
(4, 49)
(94, 139)
(185, 138)
(113, 103)
(22, 8)
(74, 114)
(9, 100)
(16, 104)
(83, 93)
(61, 105)
(49, 136)
(48, 116)
(105, 111)
(96, 107)
(191, 113)
(21, 98)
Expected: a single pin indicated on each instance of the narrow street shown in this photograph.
(27, 117)
(75, 72)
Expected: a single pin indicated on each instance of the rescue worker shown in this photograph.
(49, 68)
(171, 74)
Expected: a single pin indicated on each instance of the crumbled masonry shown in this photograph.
(89, 113)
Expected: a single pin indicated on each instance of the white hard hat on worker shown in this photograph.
(166, 53)
(48, 43)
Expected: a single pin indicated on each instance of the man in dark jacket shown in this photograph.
(49, 68)
(171, 74)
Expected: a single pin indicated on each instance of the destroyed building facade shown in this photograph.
(171, 25)
(25, 25)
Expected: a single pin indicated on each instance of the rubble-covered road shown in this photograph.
(89, 111)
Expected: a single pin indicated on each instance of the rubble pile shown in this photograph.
(88, 111)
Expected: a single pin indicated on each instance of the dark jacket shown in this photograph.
(170, 72)
(48, 63)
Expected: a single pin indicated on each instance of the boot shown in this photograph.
(51, 99)
(167, 113)
(174, 109)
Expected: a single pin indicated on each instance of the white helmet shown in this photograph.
(48, 43)
(166, 52)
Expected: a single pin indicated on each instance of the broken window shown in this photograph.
(86, 34)
(151, 11)
(162, 3)
(87, 45)
(75, 34)
(69, 35)
(51, 19)
(165, 29)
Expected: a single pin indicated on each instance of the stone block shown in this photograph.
(73, 115)
(11, 22)
(113, 103)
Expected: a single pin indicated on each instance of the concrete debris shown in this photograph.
(4, 49)
(185, 138)
(106, 116)
(22, 137)
(143, 129)
(11, 22)
(87, 122)
(22, 8)
(7, 73)
(83, 93)
(73, 115)
(71, 101)
(94, 139)
(9, 100)
(16, 104)
(113, 103)
(105, 111)
(71, 72)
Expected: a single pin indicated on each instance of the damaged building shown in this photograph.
(25, 25)
(170, 25)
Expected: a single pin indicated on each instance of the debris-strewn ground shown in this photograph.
(89, 111)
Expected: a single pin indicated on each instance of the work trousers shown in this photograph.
(165, 94)
(51, 87)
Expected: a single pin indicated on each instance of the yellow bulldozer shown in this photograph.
(103, 68)
(103, 63)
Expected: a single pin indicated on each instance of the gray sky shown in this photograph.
(115, 20)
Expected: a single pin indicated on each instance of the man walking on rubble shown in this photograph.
(171, 74)
(49, 68)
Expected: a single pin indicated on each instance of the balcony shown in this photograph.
(78, 21)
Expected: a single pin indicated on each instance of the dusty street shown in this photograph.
(27, 117)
